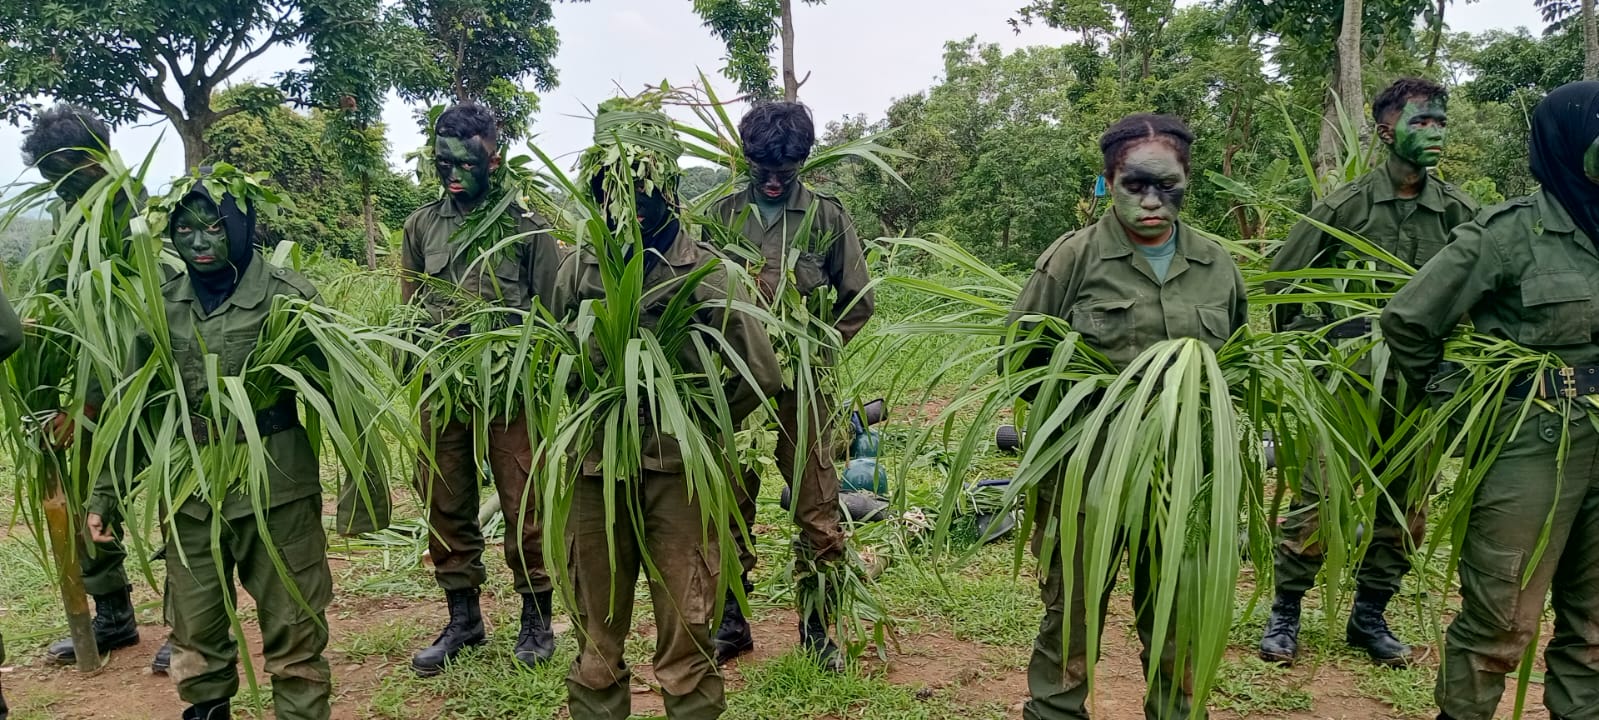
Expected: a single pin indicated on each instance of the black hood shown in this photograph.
(1563, 126)
(214, 288)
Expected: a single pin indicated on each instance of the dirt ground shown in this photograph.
(934, 663)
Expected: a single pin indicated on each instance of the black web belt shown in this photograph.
(1567, 383)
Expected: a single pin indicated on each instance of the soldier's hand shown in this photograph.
(62, 428)
(97, 529)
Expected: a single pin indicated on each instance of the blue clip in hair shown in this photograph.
(1099, 187)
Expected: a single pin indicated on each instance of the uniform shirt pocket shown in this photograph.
(1216, 321)
(435, 261)
(236, 347)
(1105, 325)
(1557, 309)
(809, 273)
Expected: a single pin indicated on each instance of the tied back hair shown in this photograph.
(1133, 129)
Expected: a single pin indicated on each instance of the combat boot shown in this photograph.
(114, 627)
(464, 630)
(733, 637)
(210, 710)
(814, 640)
(535, 644)
(162, 662)
(1368, 629)
(1280, 643)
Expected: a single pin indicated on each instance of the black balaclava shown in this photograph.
(656, 210)
(214, 288)
(1563, 126)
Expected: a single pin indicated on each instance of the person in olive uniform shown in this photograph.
(1526, 271)
(219, 307)
(466, 155)
(664, 520)
(1401, 208)
(10, 342)
(56, 146)
(1136, 277)
(782, 217)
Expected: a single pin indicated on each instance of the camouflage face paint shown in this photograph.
(201, 240)
(463, 167)
(1420, 132)
(1147, 190)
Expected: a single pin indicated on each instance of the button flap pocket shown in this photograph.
(1555, 287)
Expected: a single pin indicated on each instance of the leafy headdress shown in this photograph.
(634, 145)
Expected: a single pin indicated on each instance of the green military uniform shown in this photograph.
(1413, 230)
(1105, 289)
(667, 523)
(450, 481)
(10, 341)
(831, 256)
(293, 633)
(1523, 271)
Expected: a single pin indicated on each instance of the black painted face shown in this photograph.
(774, 182)
(463, 167)
(1148, 190)
(72, 180)
(653, 211)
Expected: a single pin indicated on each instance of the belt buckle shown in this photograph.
(1568, 378)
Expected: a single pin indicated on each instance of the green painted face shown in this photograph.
(1147, 190)
(1590, 162)
(463, 167)
(1420, 132)
(200, 238)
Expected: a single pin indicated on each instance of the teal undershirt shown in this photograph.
(769, 208)
(1160, 256)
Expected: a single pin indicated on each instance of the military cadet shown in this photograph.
(790, 223)
(10, 342)
(1402, 209)
(1136, 277)
(664, 518)
(219, 307)
(1526, 271)
(437, 263)
(57, 146)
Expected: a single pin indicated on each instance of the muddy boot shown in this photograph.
(1368, 629)
(733, 636)
(814, 640)
(209, 710)
(464, 630)
(1280, 643)
(114, 627)
(162, 662)
(535, 645)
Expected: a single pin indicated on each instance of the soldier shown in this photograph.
(1402, 209)
(1526, 271)
(1137, 276)
(436, 261)
(57, 146)
(219, 307)
(663, 518)
(789, 223)
(10, 341)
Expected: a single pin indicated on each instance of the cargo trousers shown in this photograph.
(803, 448)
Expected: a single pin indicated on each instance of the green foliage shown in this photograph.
(749, 30)
(317, 160)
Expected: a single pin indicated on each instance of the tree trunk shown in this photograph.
(1347, 89)
(790, 78)
(195, 149)
(69, 565)
(1590, 42)
(370, 216)
(1437, 33)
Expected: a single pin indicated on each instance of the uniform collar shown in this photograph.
(448, 208)
(1431, 196)
(250, 292)
(1111, 239)
(1553, 215)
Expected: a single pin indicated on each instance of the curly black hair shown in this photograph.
(1133, 129)
(64, 132)
(777, 133)
(1393, 98)
(466, 121)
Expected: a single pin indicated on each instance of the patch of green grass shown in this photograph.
(792, 687)
(38, 704)
(389, 641)
(1409, 691)
(485, 683)
(1251, 686)
(982, 601)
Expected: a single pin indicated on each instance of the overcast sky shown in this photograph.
(862, 54)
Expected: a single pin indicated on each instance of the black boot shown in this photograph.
(464, 630)
(162, 662)
(814, 640)
(733, 637)
(1280, 643)
(535, 645)
(114, 627)
(1368, 629)
(209, 710)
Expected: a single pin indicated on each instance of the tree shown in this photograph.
(125, 59)
(479, 50)
(1348, 86)
(1559, 15)
(750, 29)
